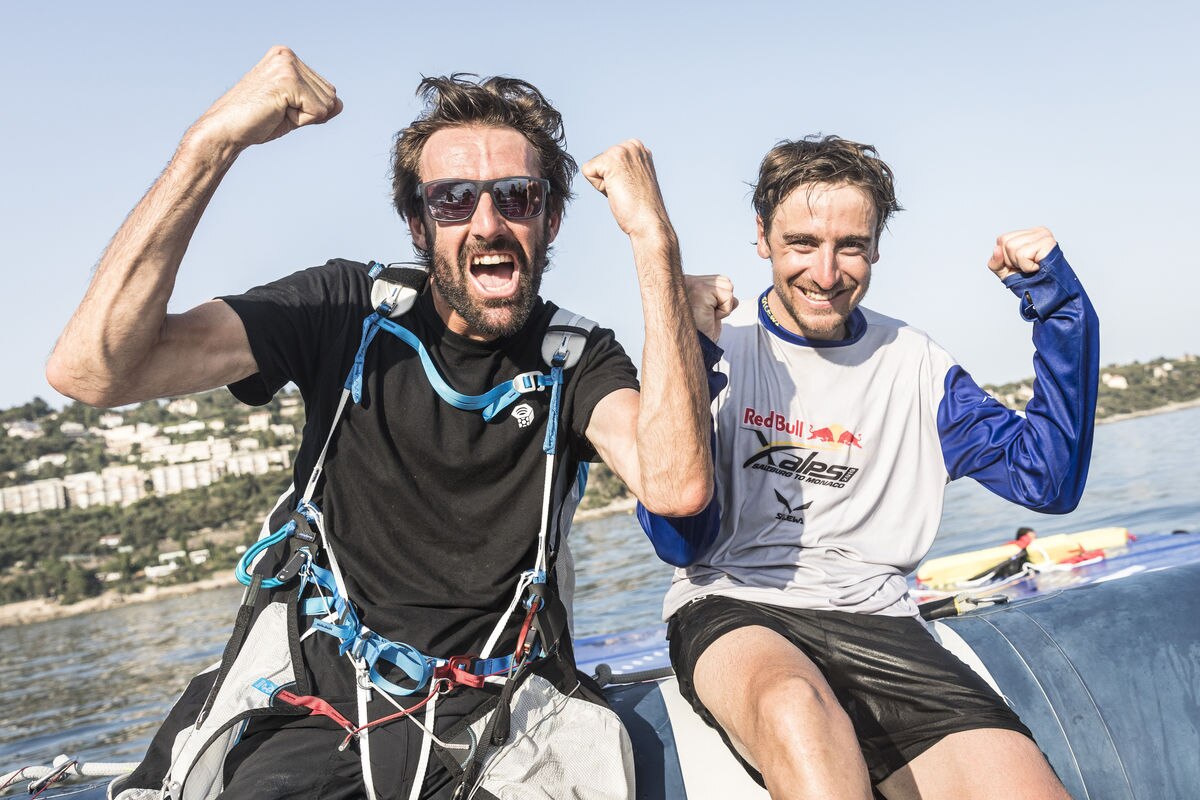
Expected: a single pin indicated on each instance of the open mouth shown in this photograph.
(495, 274)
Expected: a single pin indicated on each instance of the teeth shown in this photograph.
(491, 259)
(810, 294)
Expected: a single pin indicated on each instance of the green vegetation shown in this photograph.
(1128, 388)
(603, 487)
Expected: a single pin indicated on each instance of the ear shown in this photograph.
(552, 224)
(764, 250)
(416, 228)
(875, 250)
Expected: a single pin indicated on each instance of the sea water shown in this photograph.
(96, 686)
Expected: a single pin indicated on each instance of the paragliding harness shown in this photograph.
(538, 684)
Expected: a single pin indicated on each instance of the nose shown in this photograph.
(825, 273)
(487, 221)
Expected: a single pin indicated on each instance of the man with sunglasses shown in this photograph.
(433, 511)
(837, 429)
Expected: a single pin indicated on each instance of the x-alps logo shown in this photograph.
(790, 513)
(799, 461)
(523, 414)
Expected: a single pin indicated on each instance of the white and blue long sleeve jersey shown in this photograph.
(832, 457)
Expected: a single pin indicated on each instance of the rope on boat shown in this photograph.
(64, 768)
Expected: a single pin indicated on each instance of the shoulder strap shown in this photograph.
(565, 337)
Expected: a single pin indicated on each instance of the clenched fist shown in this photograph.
(1021, 251)
(280, 94)
(711, 298)
(625, 175)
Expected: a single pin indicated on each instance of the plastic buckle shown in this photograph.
(528, 382)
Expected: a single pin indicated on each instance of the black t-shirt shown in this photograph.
(432, 512)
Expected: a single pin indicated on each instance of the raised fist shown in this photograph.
(1021, 251)
(280, 94)
(625, 174)
(711, 298)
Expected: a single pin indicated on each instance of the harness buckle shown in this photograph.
(528, 382)
(303, 527)
(293, 566)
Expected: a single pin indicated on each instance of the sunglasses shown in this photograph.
(454, 199)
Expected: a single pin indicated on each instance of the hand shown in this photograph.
(1021, 251)
(711, 298)
(280, 94)
(625, 175)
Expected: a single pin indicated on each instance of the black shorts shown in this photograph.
(901, 689)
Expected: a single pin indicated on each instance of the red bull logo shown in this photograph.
(821, 434)
(831, 437)
(774, 421)
(848, 438)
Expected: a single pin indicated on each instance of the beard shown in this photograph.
(491, 317)
(812, 324)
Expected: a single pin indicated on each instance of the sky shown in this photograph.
(994, 117)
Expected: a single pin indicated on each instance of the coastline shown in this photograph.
(31, 611)
(1169, 407)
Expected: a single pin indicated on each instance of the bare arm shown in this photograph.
(656, 440)
(120, 345)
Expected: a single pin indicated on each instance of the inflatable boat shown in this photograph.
(1100, 656)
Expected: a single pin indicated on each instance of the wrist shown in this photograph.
(203, 143)
(658, 235)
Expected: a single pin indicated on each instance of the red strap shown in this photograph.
(519, 651)
(316, 705)
(457, 671)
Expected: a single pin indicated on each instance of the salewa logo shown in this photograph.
(523, 414)
(792, 514)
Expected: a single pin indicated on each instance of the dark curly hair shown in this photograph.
(830, 160)
(462, 99)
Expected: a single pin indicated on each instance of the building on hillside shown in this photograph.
(118, 485)
(24, 429)
(121, 439)
(50, 459)
(72, 429)
(183, 406)
(27, 498)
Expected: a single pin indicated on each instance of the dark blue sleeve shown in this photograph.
(680, 541)
(1040, 460)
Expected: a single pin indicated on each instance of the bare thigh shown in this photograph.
(977, 765)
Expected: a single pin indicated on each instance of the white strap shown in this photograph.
(426, 742)
(315, 476)
(364, 744)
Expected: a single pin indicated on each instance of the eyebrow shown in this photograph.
(812, 240)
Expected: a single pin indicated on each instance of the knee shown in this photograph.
(795, 708)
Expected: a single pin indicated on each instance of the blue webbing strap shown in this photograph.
(492, 402)
(556, 381)
(354, 379)
(373, 648)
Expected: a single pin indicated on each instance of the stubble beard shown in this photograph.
(816, 325)
(490, 317)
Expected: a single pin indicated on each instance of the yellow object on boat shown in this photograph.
(948, 571)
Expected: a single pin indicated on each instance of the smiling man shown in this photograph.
(837, 429)
(420, 558)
